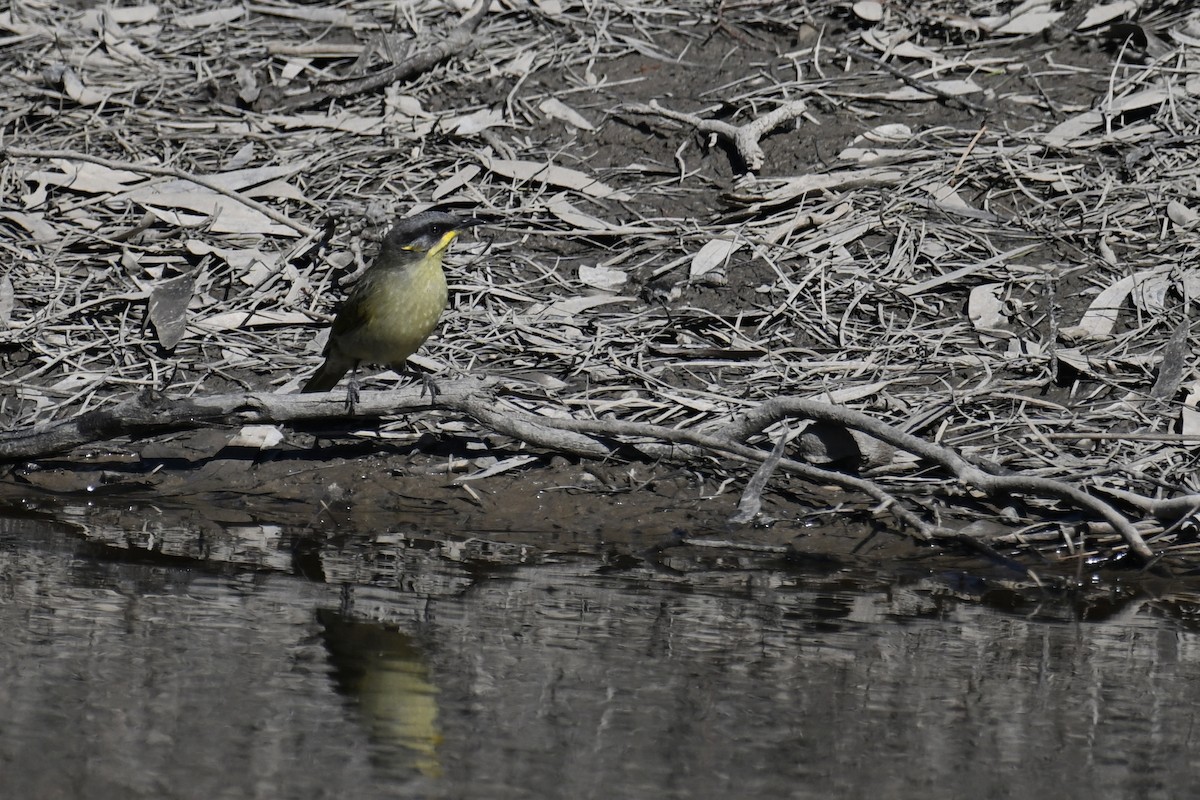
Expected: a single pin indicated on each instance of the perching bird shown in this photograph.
(396, 302)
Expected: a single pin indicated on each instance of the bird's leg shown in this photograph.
(428, 385)
(352, 389)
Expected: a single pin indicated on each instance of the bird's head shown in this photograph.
(429, 232)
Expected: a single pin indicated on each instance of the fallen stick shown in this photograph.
(457, 41)
(151, 413)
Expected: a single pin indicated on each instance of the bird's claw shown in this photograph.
(352, 394)
(428, 385)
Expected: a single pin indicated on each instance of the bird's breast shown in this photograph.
(397, 309)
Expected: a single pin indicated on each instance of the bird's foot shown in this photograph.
(352, 393)
(428, 385)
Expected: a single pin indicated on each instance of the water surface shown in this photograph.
(402, 669)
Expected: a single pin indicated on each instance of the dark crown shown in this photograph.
(423, 231)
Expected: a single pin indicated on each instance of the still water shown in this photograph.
(132, 668)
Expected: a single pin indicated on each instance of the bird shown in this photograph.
(395, 304)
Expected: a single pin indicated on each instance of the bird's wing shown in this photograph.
(352, 316)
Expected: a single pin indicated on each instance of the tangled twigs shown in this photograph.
(965, 472)
(744, 138)
(148, 414)
(780, 408)
(559, 432)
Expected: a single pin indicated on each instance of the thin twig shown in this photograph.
(928, 88)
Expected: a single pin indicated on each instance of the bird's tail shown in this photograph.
(326, 377)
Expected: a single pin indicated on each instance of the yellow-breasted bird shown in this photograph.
(396, 302)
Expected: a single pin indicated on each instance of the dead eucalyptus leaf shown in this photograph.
(80, 93)
(316, 14)
(552, 175)
(86, 177)
(206, 19)
(953, 88)
(497, 467)
(235, 179)
(170, 201)
(1068, 132)
(232, 320)
(169, 301)
(714, 254)
(242, 260)
(520, 66)
(24, 28)
(571, 306)
(985, 308)
(1180, 214)
(223, 214)
(1174, 362)
(456, 181)
(783, 190)
(1151, 289)
(1106, 251)
(1032, 21)
(346, 122)
(895, 44)
(476, 122)
(947, 196)
(257, 437)
(7, 301)
(568, 213)
(1101, 13)
(556, 109)
(868, 10)
(36, 224)
(243, 156)
(1101, 316)
(889, 133)
(603, 278)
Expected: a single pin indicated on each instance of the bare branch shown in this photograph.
(148, 414)
(744, 138)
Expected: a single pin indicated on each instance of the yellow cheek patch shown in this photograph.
(445, 241)
(442, 244)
